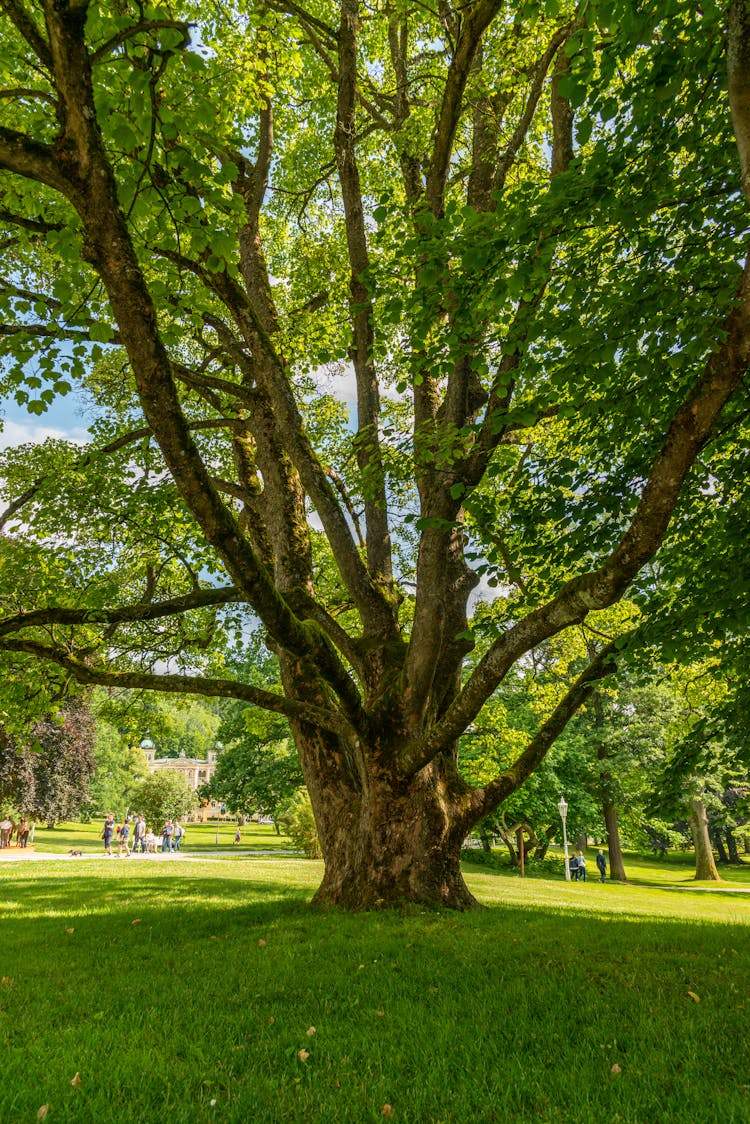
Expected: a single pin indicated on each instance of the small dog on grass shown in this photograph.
(76, 854)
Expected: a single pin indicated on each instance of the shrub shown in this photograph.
(299, 823)
(163, 796)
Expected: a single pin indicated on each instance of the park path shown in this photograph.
(20, 854)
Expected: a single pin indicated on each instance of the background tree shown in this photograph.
(258, 773)
(519, 231)
(163, 796)
(48, 777)
(299, 823)
(120, 767)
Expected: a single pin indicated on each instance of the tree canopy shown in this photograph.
(47, 777)
(379, 310)
(161, 797)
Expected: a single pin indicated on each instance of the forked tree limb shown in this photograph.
(691, 427)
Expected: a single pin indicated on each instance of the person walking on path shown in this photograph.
(581, 867)
(22, 832)
(6, 831)
(124, 839)
(238, 835)
(108, 833)
(166, 836)
(601, 863)
(139, 834)
(573, 868)
(177, 835)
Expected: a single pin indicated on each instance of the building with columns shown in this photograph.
(196, 771)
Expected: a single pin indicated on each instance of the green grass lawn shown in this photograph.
(199, 837)
(186, 992)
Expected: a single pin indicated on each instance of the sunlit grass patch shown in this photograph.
(172, 986)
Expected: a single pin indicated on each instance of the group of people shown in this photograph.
(578, 867)
(144, 839)
(8, 829)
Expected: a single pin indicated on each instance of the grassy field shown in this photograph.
(211, 991)
(199, 837)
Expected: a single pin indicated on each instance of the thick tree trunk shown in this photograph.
(718, 843)
(383, 844)
(705, 867)
(614, 845)
(392, 864)
(734, 855)
(542, 846)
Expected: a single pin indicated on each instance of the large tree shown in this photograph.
(516, 231)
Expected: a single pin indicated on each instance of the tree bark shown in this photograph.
(385, 842)
(718, 843)
(614, 845)
(734, 855)
(705, 867)
(542, 846)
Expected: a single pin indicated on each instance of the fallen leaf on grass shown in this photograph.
(387, 1110)
(5, 981)
(303, 1055)
(261, 943)
(212, 1103)
(380, 1014)
(42, 1112)
(70, 930)
(76, 1082)
(615, 1069)
(310, 1031)
(695, 998)
(272, 1019)
(136, 921)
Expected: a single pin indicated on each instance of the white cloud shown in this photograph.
(15, 433)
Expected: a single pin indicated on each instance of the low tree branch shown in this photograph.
(85, 673)
(125, 614)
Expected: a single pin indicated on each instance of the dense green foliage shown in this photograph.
(47, 776)
(163, 796)
(416, 340)
(298, 821)
(119, 769)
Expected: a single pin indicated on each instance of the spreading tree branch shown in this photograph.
(84, 672)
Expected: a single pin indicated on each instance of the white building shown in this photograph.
(196, 771)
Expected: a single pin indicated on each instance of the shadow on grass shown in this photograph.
(200, 1010)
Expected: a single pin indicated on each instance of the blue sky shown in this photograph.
(65, 418)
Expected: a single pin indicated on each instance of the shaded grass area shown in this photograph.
(516, 1013)
(674, 868)
(679, 867)
(199, 837)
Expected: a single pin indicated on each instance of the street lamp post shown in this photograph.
(562, 808)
